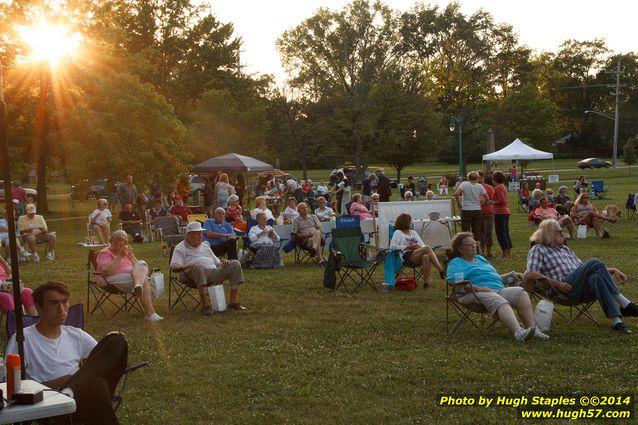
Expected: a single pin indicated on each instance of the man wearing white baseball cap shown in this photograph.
(200, 268)
(33, 227)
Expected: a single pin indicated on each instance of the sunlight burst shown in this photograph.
(49, 42)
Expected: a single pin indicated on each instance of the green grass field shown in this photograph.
(302, 354)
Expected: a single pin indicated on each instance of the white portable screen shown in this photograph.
(433, 233)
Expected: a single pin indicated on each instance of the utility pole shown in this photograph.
(617, 86)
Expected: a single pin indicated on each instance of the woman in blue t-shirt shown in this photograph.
(486, 285)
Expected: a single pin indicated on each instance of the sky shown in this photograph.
(541, 24)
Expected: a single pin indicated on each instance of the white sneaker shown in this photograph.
(523, 334)
(49, 256)
(35, 257)
(24, 255)
(154, 318)
(539, 334)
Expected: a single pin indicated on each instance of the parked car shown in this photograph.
(32, 194)
(593, 163)
(348, 171)
(97, 189)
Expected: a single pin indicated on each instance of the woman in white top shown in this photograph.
(291, 211)
(324, 212)
(322, 190)
(414, 250)
(346, 195)
(100, 220)
(263, 239)
(474, 195)
(260, 206)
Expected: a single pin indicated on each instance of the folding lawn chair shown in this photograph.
(351, 259)
(465, 312)
(598, 189)
(75, 318)
(106, 294)
(168, 231)
(541, 289)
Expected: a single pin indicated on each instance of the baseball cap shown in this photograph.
(194, 226)
(15, 201)
(31, 209)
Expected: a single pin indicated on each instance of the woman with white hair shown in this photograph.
(261, 206)
(234, 213)
(100, 221)
(120, 268)
(264, 239)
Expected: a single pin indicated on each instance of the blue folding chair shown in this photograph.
(348, 222)
(598, 189)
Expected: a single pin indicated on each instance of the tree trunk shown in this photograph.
(40, 145)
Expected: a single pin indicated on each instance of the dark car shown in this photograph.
(593, 163)
(348, 171)
(98, 189)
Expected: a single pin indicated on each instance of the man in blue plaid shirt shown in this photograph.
(581, 281)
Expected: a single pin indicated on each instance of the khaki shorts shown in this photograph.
(493, 300)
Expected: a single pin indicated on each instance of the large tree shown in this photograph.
(177, 45)
(341, 55)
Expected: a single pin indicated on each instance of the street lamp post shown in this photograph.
(457, 122)
(614, 118)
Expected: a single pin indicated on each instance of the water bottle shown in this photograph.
(13, 375)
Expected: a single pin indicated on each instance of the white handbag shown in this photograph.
(157, 284)
(582, 231)
(217, 297)
(543, 314)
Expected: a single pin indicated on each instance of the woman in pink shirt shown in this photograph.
(6, 298)
(120, 268)
(502, 215)
(358, 208)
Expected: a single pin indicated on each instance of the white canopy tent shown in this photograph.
(517, 150)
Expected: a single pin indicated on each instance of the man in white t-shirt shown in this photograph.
(53, 351)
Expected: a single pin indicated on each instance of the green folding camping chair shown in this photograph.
(352, 264)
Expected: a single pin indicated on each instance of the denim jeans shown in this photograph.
(592, 281)
(502, 227)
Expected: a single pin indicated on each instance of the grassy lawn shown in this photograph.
(302, 354)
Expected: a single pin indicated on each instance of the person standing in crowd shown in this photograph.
(240, 188)
(223, 190)
(346, 196)
(209, 196)
(474, 196)
(127, 192)
(338, 190)
(502, 215)
(183, 188)
(383, 185)
(487, 215)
